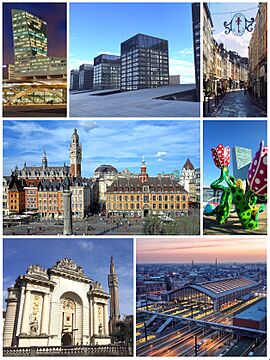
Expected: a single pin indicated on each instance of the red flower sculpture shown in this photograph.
(257, 173)
(221, 155)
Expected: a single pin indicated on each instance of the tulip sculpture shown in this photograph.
(245, 201)
(221, 157)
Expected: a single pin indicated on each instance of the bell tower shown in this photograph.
(143, 176)
(75, 155)
(114, 298)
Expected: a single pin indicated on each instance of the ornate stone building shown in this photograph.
(190, 180)
(142, 195)
(40, 188)
(56, 306)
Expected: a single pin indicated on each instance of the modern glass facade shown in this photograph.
(29, 36)
(31, 48)
(106, 72)
(196, 43)
(144, 62)
(74, 80)
(86, 75)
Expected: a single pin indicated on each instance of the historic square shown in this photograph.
(157, 190)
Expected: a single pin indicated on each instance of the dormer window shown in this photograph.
(146, 189)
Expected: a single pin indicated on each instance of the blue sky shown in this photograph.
(165, 144)
(243, 133)
(223, 11)
(93, 255)
(100, 28)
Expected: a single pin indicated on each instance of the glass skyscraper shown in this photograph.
(144, 62)
(106, 72)
(30, 43)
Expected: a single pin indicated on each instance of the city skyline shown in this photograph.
(55, 16)
(221, 12)
(168, 250)
(181, 57)
(158, 141)
(230, 133)
(93, 255)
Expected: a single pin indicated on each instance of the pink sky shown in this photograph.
(182, 250)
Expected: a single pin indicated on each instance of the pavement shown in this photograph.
(233, 226)
(35, 111)
(139, 103)
(91, 226)
(237, 104)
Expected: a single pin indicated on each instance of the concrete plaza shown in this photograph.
(94, 225)
(139, 103)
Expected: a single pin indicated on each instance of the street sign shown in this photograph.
(238, 25)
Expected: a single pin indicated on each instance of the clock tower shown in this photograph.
(75, 155)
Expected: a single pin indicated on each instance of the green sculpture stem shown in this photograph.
(222, 211)
(245, 205)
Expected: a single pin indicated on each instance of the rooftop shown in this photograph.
(256, 312)
(219, 288)
(139, 103)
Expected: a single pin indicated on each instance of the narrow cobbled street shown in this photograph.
(238, 104)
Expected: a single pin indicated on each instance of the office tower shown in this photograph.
(106, 72)
(74, 80)
(144, 62)
(86, 75)
(30, 44)
(196, 44)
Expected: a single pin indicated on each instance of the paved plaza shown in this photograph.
(139, 103)
(94, 225)
(238, 104)
(233, 226)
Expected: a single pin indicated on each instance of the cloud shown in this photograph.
(119, 143)
(86, 245)
(186, 51)
(88, 125)
(234, 43)
(183, 68)
(160, 155)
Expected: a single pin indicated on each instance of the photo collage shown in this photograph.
(134, 178)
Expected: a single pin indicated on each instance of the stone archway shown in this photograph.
(71, 310)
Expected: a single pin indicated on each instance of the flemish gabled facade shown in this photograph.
(16, 196)
(142, 195)
(56, 306)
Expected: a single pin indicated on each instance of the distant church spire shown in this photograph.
(114, 297)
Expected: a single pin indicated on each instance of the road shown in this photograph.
(237, 104)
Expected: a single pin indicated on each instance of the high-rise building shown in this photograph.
(75, 155)
(242, 158)
(144, 62)
(86, 76)
(196, 44)
(74, 80)
(31, 48)
(106, 72)
(114, 298)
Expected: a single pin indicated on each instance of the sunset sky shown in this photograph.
(182, 250)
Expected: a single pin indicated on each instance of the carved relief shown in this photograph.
(33, 322)
(68, 265)
(68, 308)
